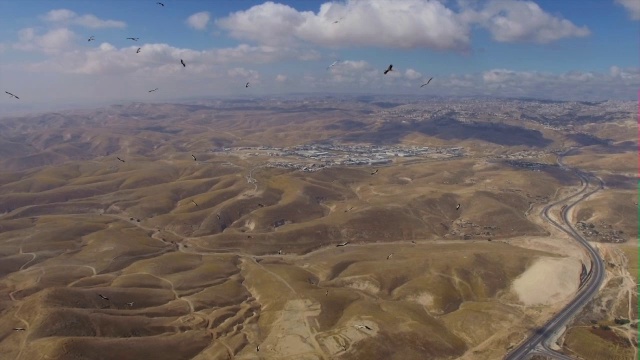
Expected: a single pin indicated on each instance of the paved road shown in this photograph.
(539, 342)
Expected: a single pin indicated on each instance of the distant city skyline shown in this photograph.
(561, 50)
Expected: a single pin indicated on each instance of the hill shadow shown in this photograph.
(453, 129)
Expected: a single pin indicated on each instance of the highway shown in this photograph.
(539, 342)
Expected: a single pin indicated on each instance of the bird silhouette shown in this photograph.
(375, 172)
(119, 159)
(343, 244)
(134, 39)
(91, 38)
(458, 207)
(153, 90)
(161, 4)
(194, 158)
(137, 51)
(103, 297)
(247, 85)
(427, 83)
(182, 62)
(12, 95)
(390, 68)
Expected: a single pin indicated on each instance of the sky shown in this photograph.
(564, 50)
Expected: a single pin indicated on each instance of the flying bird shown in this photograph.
(194, 158)
(458, 207)
(91, 38)
(103, 297)
(333, 64)
(119, 159)
(389, 257)
(363, 327)
(247, 85)
(134, 39)
(130, 303)
(159, 3)
(12, 95)
(337, 21)
(258, 348)
(218, 216)
(194, 203)
(19, 329)
(343, 244)
(137, 51)
(427, 83)
(182, 62)
(390, 68)
(153, 90)
(375, 172)
(326, 293)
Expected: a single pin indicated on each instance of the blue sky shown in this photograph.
(542, 48)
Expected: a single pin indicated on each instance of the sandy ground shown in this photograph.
(548, 281)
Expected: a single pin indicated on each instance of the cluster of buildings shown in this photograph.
(314, 157)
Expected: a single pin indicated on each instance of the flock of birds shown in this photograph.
(93, 38)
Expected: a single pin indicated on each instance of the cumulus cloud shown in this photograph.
(68, 17)
(409, 24)
(158, 59)
(398, 24)
(412, 74)
(632, 7)
(522, 21)
(199, 20)
(51, 42)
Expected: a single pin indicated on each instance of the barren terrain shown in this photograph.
(234, 254)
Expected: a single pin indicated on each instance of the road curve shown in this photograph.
(539, 342)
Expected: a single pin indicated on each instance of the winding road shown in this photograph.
(539, 343)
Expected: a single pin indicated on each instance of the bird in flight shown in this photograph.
(389, 256)
(194, 203)
(258, 348)
(333, 64)
(91, 38)
(343, 244)
(427, 83)
(132, 38)
(119, 159)
(390, 68)
(103, 297)
(182, 62)
(458, 207)
(12, 95)
(137, 51)
(159, 3)
(194, 158)
(130, 303)
(363, 327)
(153, 90)
(375, 172)
(247, 85)
(19, 329)
(337, 21)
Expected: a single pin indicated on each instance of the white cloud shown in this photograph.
(398, 24)
(199, 20)
(242, 73)
(53, 41)
(522, 21)
(382, 23)
(68, 17)
(158, 59)
(632, 7)
(412, 74)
